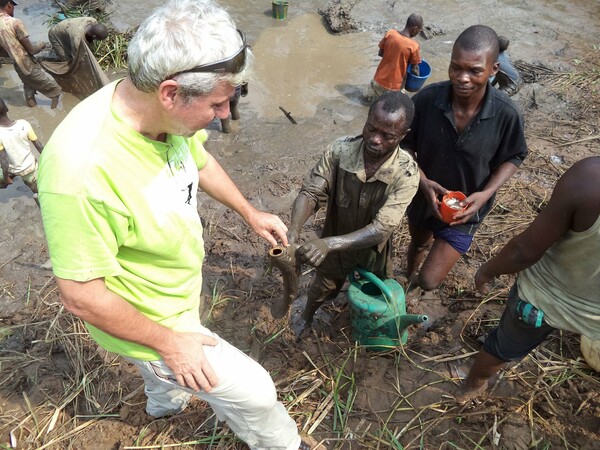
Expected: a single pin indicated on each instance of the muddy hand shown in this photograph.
(314, 252)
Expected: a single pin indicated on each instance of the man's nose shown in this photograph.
(222, 112)
(376, 138)
(463, 77)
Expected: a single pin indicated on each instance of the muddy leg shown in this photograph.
(484, 367)
(226, 125)
(322, 290)
(420, 240)
(233, 106)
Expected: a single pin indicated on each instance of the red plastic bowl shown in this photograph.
(448, 212)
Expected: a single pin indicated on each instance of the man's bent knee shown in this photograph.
(428, 282)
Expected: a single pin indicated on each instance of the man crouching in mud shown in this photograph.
(557, 258)
(367, 182)
(120, 214)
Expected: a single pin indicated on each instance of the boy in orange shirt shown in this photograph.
(398, 50)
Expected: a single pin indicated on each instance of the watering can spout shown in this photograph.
(407, 320)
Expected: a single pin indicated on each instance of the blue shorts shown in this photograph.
(515, 337)
(458, 240)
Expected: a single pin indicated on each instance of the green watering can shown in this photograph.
(378, 312)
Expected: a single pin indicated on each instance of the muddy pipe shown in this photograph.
(284, 258)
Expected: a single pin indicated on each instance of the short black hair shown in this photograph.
(395, 101)
(479, 37)
(414, 20)
(3, 3)
(503, 43)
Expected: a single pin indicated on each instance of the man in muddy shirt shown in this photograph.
(366, 182)
(468, 137)
(120, 214)
(77, 70)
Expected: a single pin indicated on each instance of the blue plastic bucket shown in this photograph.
(413, 82)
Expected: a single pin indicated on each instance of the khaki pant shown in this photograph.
(29, 176)
(38, 80)
(374, 90)
(245, 397)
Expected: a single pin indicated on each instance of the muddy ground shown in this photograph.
(58, 390)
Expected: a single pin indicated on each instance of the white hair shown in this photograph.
(178, 36)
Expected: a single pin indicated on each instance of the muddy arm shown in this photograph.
(30, 47)
(316, 251)
(302, 209)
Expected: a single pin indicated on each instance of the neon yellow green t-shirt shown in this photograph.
(120, 206)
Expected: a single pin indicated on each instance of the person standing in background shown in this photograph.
(14, 38)
(397, 49)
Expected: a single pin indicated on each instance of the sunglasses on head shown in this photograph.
(234, 64)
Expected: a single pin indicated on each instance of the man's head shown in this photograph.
(178, 39)
(388, 122)
(8, 6)
(97, 32)
(503, 43)
(414, 24)
(3, 109)
(474, 59)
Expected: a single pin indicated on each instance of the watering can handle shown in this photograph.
(376, 281)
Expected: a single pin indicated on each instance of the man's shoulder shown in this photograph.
(23, 123)
(427, 96)
(344, 143)
(504, 103)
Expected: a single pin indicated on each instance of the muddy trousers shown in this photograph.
(38, 81)
(323, 289)
(245, 397)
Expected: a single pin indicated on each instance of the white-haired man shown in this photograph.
(118, 196)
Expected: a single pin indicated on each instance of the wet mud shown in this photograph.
(318, 77)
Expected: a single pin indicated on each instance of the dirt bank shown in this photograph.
(59, 391)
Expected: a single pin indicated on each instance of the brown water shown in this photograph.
(300, 66)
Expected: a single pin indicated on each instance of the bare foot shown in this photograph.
(300, 328)
(31, 102)
(465, 393)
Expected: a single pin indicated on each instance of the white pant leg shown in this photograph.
(163, 397)
(245, 397)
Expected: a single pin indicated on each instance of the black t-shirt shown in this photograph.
(463, 162)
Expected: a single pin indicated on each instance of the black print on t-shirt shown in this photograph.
(189, 193)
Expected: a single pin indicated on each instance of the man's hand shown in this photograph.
(484, 281)
(473, 203)
(314, 252)
(269, 226)
(432, 190)
(185, 357)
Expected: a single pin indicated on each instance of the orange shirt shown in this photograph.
(398, 52)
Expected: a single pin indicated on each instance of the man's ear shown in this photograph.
(495, 68)
(167, 93)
